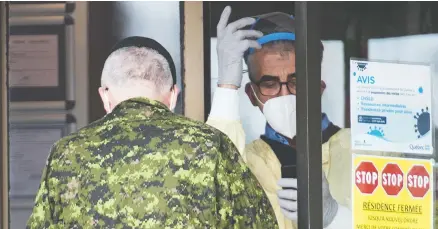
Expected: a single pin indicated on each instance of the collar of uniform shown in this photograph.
(139, 103)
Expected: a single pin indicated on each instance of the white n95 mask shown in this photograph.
(280, 113)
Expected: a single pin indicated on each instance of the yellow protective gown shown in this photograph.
(336, 158)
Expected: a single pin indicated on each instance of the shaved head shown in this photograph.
(134, 67)
(131, 72)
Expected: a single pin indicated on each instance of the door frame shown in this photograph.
(4, 143)
(193, 54)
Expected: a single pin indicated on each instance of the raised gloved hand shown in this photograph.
(287, 199)
(231, 45)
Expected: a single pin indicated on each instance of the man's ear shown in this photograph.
(249, 92)
(323, 86)
(105, 101)
(177, 90)
(173, 100)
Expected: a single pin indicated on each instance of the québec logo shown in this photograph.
(419, 147)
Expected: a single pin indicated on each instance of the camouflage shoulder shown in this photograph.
(202, 126)
(78, 135)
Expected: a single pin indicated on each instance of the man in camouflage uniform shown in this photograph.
(142, 166)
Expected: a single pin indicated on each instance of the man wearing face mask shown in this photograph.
(142, 166)
(266, 42)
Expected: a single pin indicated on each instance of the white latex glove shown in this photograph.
(231, 45)
(287, 199)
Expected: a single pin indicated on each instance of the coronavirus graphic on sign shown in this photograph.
(392, 179)
(367, 177)
(418, 181)
(423, 122)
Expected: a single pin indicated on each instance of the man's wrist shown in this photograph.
(225, 104)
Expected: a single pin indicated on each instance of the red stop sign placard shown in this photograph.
(392, 179)
(418, 181)
(367, 177)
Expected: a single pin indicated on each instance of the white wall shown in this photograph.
(415, 48)
(333, 74)
(159, 20)
(333, 99)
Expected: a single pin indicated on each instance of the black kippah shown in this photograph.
(144, 42)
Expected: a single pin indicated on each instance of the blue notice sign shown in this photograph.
(391, 107)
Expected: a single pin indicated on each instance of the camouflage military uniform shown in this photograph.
(142, 166)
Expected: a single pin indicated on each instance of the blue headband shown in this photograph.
(274, 37)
